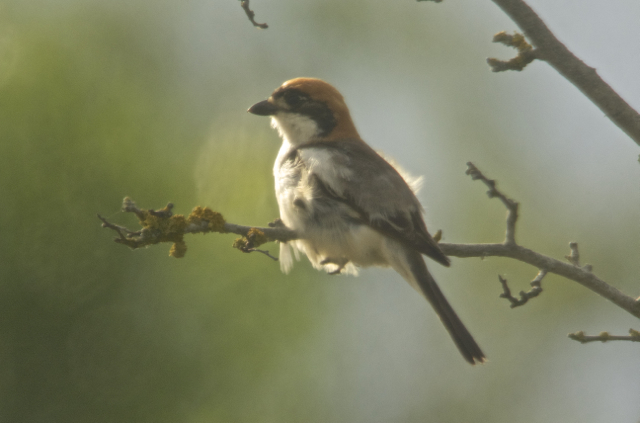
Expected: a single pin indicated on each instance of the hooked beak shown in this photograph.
(263, 108)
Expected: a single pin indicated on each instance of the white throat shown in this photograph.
(295, 128)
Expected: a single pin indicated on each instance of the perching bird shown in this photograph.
(348, 205)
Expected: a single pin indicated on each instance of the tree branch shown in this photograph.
(536, 289)
(573, 270)
(585, 78)
(162, 226)
(578, 274)
(512, 206)
(634, 336)
(251, 15)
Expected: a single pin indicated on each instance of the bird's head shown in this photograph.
(306, 110)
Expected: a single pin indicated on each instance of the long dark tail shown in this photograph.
(461, 336)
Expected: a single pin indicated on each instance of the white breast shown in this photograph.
(331, 234)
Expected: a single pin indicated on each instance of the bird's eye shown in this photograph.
(294, 99)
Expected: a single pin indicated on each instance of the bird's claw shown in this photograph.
(276, 223)
(340, 263)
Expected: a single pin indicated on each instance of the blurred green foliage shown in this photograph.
(92, 332)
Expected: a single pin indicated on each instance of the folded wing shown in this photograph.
(375, 189)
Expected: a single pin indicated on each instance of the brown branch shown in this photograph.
(281, 234)
(512, 206)
(582, 275)
(585, 78)
(251, 15)
(536, 289)
(634, 336)
(163, 226)
(578, 274)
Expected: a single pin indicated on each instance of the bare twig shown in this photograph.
(163, 226)
(526, 53)
(574, 257)
(123, 233)
(160, 227)
(512, 206)
(129, 206)
(536, 289)
(585, 78)
(551, 265)
(634, 336)
(251, 15)
(582, 275)
(265, 252)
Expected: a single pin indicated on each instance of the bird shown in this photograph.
(349, 206)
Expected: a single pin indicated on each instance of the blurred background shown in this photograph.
(99, 100)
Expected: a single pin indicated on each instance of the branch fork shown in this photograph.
(509, 248)
(526, 53)
(512, 206)
(574, 257)
(545, 46)
(536, 289)
(163, 226)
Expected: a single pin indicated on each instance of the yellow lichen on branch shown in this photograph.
(178, 249)
(249, 243)
(215, 220)
(163, 226)
(167, 226)
(257, 236)
(254, 238)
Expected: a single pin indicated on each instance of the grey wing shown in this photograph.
(382, 197)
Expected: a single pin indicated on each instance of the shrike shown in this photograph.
(348, 205)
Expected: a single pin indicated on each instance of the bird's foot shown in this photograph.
(277, 223)
(341, 263)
